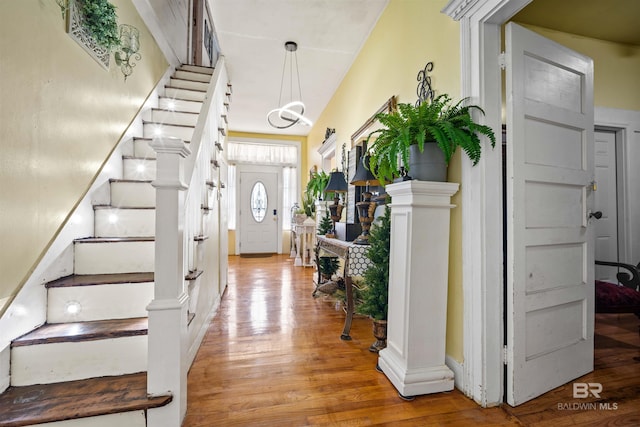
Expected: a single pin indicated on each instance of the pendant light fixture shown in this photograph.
(292, 112)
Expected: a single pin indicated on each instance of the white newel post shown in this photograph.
(418, 281)
(167, 352)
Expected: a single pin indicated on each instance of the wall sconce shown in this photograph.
(129, 47)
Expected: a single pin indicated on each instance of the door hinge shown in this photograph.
(505, 355)
(502, 60)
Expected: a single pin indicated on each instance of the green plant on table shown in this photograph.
(316, 185)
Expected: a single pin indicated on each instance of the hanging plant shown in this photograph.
(100, 21)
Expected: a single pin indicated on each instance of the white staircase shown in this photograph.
(96, 318)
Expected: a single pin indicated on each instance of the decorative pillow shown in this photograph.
(612, 298)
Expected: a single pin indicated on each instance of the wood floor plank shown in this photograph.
(273, 357)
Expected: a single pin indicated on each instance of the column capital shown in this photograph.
(422, 193)
(170, 145)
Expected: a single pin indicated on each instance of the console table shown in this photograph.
(355, 264)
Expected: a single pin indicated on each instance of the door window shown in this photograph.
(259, 201)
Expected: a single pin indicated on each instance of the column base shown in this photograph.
(416, 381)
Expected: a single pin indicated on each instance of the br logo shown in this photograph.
(584, 390)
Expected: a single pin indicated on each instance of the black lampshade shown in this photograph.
(336, 184)
(363, 176)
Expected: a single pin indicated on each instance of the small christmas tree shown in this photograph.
(375, 296)
(326, 225)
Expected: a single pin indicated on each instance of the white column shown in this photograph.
(167, 353)
(418, 281)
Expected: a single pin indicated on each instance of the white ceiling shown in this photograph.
(330, 33)
(252, 33)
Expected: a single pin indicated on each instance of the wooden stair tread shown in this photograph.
(128, 208)
(176, 111)
(139, 158)
(203, 69)
(43, 403)
(193, 275)
(99, 279)
(83, 331)
(114, 239)
(178, 99)
(182, 88)
(143, 181)
(149, 122)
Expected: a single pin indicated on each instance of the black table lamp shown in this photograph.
(366, 208)
(336, 185)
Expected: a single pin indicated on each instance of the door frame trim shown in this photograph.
(482, 242)
(624, 123)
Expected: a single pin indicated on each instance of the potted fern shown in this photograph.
(437, 127)
(375, 295)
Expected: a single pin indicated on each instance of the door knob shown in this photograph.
(596, 215)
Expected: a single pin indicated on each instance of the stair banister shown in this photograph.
(168, 311)
(178, 220)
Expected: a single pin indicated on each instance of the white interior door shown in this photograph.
(549, 197)
(258, 211)
(606, 201)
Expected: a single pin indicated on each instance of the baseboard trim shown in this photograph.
(458, 372)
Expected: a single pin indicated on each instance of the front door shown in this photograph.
(549, 197)
(258, 213)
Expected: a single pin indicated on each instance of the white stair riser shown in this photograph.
(196, 69)
(181, 132)
(114, 257)
(188, 95)
(133, 195)
(139, 169)
(69, 361)
(124, 419)
(173, 117)
(142, 149)
(180, 105)
(99, 302)
(186, 75)
(125, 222)
(188, 84)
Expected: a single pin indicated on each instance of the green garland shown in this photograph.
(101, 21)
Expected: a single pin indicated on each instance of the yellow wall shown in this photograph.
(61, 115)
(616, 68)
(409, 34)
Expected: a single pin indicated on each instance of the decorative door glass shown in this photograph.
(259, 201)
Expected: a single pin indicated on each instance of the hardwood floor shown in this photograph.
(273, 357)
(616, 367)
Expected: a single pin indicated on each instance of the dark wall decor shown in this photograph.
(424, 90)
(328, 133)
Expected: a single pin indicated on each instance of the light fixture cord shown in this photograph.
(298, 74)
(284, 66)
